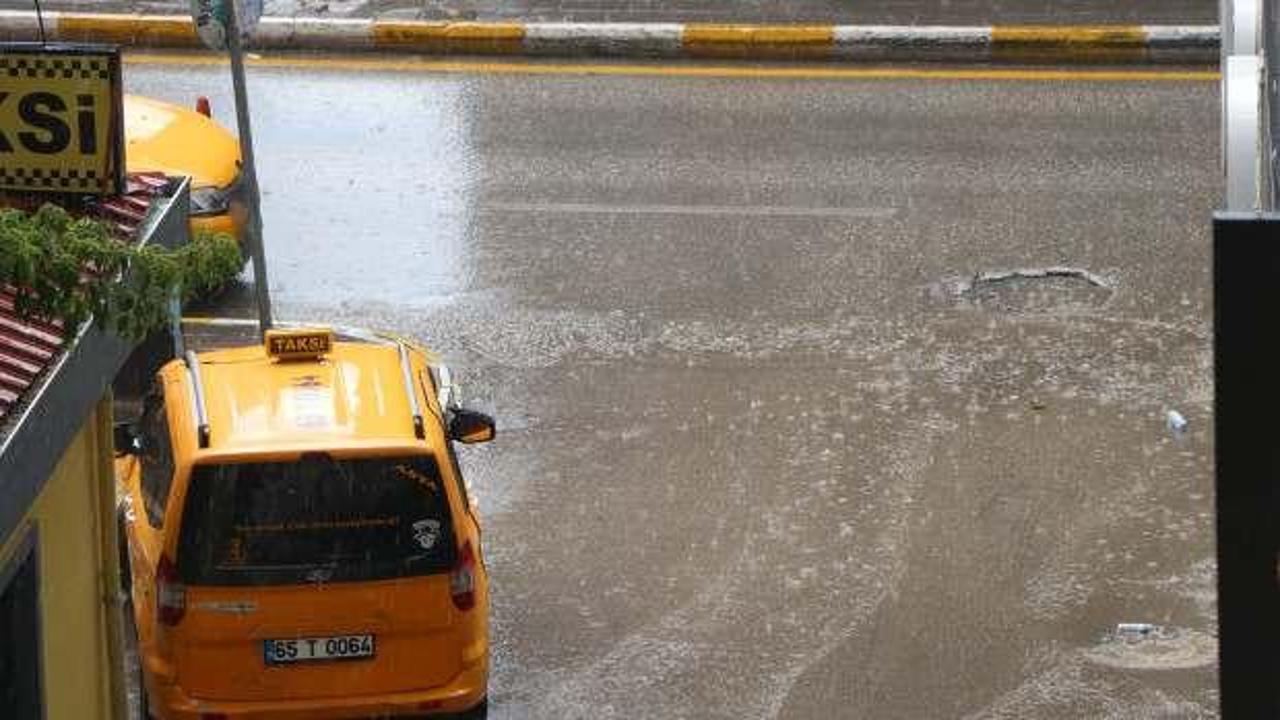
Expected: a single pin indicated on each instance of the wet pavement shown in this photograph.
(783, 434)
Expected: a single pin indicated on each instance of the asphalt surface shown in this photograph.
(771, 444)
(875, 12)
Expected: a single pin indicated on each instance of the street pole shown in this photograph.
(249, 170)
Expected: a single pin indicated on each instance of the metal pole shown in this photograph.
(1243, 132)
(1267, 50)
(249, 170)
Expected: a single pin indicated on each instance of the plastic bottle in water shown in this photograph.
(1135, 631)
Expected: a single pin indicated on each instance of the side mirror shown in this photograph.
(469, 426)
(127, 440)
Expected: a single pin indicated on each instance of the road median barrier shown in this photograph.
(1016, 43)
(457, 38)
(758, 41)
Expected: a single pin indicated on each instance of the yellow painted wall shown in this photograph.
(74, 523)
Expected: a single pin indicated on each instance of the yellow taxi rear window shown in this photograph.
(317, 520)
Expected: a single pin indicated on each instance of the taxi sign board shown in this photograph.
(298, 344)
(61, 119)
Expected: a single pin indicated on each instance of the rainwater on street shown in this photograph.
(816, 398)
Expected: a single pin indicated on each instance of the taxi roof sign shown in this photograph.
(298, 344)
(61, 119)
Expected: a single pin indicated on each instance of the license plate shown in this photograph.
(341, 647)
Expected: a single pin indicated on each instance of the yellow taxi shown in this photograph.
(299, 539)
(163, 137)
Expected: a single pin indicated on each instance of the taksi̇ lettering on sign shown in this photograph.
(60, 119)
(293, 344)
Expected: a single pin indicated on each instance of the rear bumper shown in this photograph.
(464, 692)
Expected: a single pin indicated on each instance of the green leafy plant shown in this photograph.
(70, 269)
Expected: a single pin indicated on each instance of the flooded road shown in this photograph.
(816, 398)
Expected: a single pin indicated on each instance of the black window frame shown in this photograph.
(25, 564)
(157, 462)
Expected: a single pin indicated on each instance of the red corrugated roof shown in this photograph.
(29, 347)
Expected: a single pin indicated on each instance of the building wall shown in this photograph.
(73, 520)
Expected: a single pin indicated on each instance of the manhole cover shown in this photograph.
(1026, 290)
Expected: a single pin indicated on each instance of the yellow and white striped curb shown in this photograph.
(1153, 43)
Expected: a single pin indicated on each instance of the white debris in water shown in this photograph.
(1176, 423)
(1136, 631)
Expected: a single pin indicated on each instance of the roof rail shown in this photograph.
(418, 430)
(202, 415)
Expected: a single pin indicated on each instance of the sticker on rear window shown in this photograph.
(426, 532)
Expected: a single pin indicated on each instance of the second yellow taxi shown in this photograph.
(300, 541)
(168, 138)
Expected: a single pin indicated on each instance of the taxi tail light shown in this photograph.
(171, 594)
(462, 580)
(202, 106)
